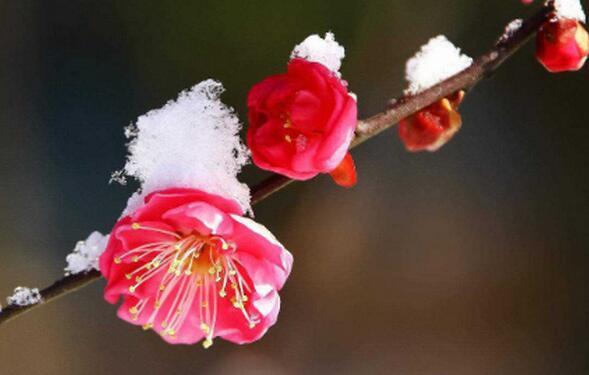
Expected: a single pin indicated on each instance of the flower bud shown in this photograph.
(562, 45)
(345, 173)
(433, 126)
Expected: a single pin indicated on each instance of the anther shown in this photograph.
(207, 343)
(135, 226)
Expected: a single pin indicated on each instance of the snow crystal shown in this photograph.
(24, 296)
(85, 255)
(192, 142)
(511, 29)
(569, 9)
(437, 60)
(325, 51)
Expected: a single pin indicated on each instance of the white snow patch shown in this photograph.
(437, 60)
(192, 142)
(85, 255)
(511, 29)
(325, 51)
(24, 296)
(570, 9)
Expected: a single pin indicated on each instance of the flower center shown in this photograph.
(194, 270)
(293, 135)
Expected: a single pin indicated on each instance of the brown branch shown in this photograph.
(59, 288)
(482, 67)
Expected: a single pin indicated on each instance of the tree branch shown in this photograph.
(398, 109)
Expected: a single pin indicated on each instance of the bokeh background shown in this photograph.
(472, 260)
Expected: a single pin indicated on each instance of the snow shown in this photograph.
(569, 9)
(325, 51)
(192, 142)
(511, 29)
(24, 296)
(437, 60)
(85, 255)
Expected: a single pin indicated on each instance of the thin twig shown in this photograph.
(401, 108)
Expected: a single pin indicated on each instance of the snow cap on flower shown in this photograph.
(570, 9)
(85, 255)
(437, 60)
(192, 142)
(23, 296)
(324, 50)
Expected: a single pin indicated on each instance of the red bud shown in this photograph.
(562, 45)
(345, 173)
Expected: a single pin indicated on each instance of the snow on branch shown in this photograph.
(85, 255)
(23, 296)
(437, 60)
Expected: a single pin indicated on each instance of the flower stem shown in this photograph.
(398, 109)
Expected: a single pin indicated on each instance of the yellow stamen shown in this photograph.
(207, 343)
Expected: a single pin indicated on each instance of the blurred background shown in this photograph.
(472, 260)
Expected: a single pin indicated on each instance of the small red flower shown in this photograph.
(433, 126)
(188, 265)
(301, 122)
(562, 45)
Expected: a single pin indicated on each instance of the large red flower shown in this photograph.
(301, 122)
(188, 265)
